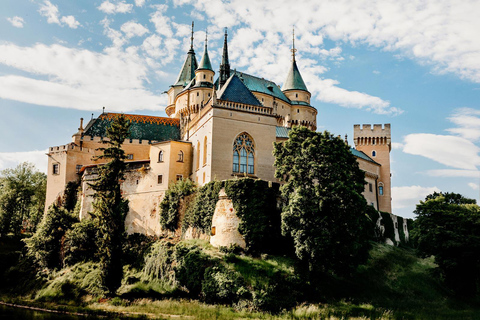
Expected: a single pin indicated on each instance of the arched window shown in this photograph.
(180, 156)
(160, 156)
(205, 151)
(244, 154)
(380, 189)
(374, 153)
(198, 155)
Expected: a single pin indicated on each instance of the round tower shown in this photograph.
(376, 143)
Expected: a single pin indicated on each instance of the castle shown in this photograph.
(216, 129)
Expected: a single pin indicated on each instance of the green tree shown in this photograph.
(22, 198)
(447, 226)
(325, 212)
(109, 208)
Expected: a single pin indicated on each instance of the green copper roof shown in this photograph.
(146, 128)
(362, 155)
(205, 63)
(282, 132)
(188, 70)
(261, 85)
(294, 79)
(234, 90)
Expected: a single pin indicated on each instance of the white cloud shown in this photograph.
(16, 21)
(452, 173)
(115, 7)
(397, 146)
(139, 3)
(408, 197)
(78, 79)
(12, 159)
(472, 185)
(132, 29)
(468, 122)
(452, 151)
(50, 11)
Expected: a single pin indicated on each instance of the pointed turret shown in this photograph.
(205, 63)
(294, 79)
(225, 66)
(188, 69)
(204, 73)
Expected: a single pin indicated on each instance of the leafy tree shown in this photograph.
(45, 247)
(109, 208)
(22, 198)
(448, 227)
(325, 212)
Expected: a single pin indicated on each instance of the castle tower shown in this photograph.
(225, 65)
(187, 73)
(204, 73)
(376, 143)
(294, 87)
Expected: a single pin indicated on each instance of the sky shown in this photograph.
(413, 63)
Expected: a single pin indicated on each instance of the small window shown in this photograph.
(213, 231)
(180, 156)
(78, 167)
(296, 95)
(137, 181)
(198, 93)
(380, 190)
(56, 168)
(159, 179)
(370, 187)
(298, 110)
(179, 177)
(130, 156)
(204, 76)
(209, 94)
(140, 141)
(374, 153)
(372, 204)
(160, 156)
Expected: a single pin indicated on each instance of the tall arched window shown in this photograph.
(205, 151)
(198, 155)
(160, 156)
(244, 154)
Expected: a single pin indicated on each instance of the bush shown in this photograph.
(169, 215)
(159, 263)
(45, 246)
(80, 243)
(387, 222)
(135, 248)
(199, 214)
(221, 285)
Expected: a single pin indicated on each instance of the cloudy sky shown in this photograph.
(414, 64)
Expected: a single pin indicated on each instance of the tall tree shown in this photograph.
(447, 226)
(109, 208)
(22, 198)
(325, 212)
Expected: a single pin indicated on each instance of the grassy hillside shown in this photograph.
(393, 284)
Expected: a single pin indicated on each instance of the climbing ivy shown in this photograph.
(387, 222)
(199, 214)
(169, 215)
(401, 231)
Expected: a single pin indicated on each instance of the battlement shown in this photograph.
(98, 139)
(366, 130)
(70, 147)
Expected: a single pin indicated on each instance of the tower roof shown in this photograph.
(294, 79)
(205, 63)
(189, 66)
(235, 90)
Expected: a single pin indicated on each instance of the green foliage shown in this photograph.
(22, 198)
(448, 227)
(255, 204)
(135, 249)
(325, 212)
(221, 285)
(389, 227)
(451, 198)
(199, 214)
(401, 230)
(46, 246)
(109, 208)
(81, 243)
(70, 195)
(159, 264)
(169, 215)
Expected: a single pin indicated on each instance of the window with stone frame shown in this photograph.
(244, 154)
(160, 156)
(56, 168)
(180, 156)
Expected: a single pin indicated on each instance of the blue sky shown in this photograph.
(414, 64)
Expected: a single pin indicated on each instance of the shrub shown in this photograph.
(135, 248)
(159, 263)
(199, 214)
(169, 215)
(80, 243)
(221, 285)
(387, 223)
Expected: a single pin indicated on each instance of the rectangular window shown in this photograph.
(56, 168)
(160, 179)
(370, 187)
(130, 156)
(179, 177)
(380, 190)
(78, 167)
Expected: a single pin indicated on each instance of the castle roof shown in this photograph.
(148, 128)
(188, 69)
(205, 63)
(294, 79)
(262, 86)
(235, 90)
(362, 155)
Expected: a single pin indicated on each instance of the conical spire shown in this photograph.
(225, 66)
(294, 79)
(205, 63)
(187, 73)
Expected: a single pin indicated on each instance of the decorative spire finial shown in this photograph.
(293, 44)
(191, 38)
(206, 38)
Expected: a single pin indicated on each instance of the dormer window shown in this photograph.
(180, 156)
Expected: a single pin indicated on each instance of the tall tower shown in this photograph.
(225, 66)
(376, 143)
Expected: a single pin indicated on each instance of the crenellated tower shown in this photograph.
(376, 143)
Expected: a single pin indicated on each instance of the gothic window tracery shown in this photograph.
(244, 154)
